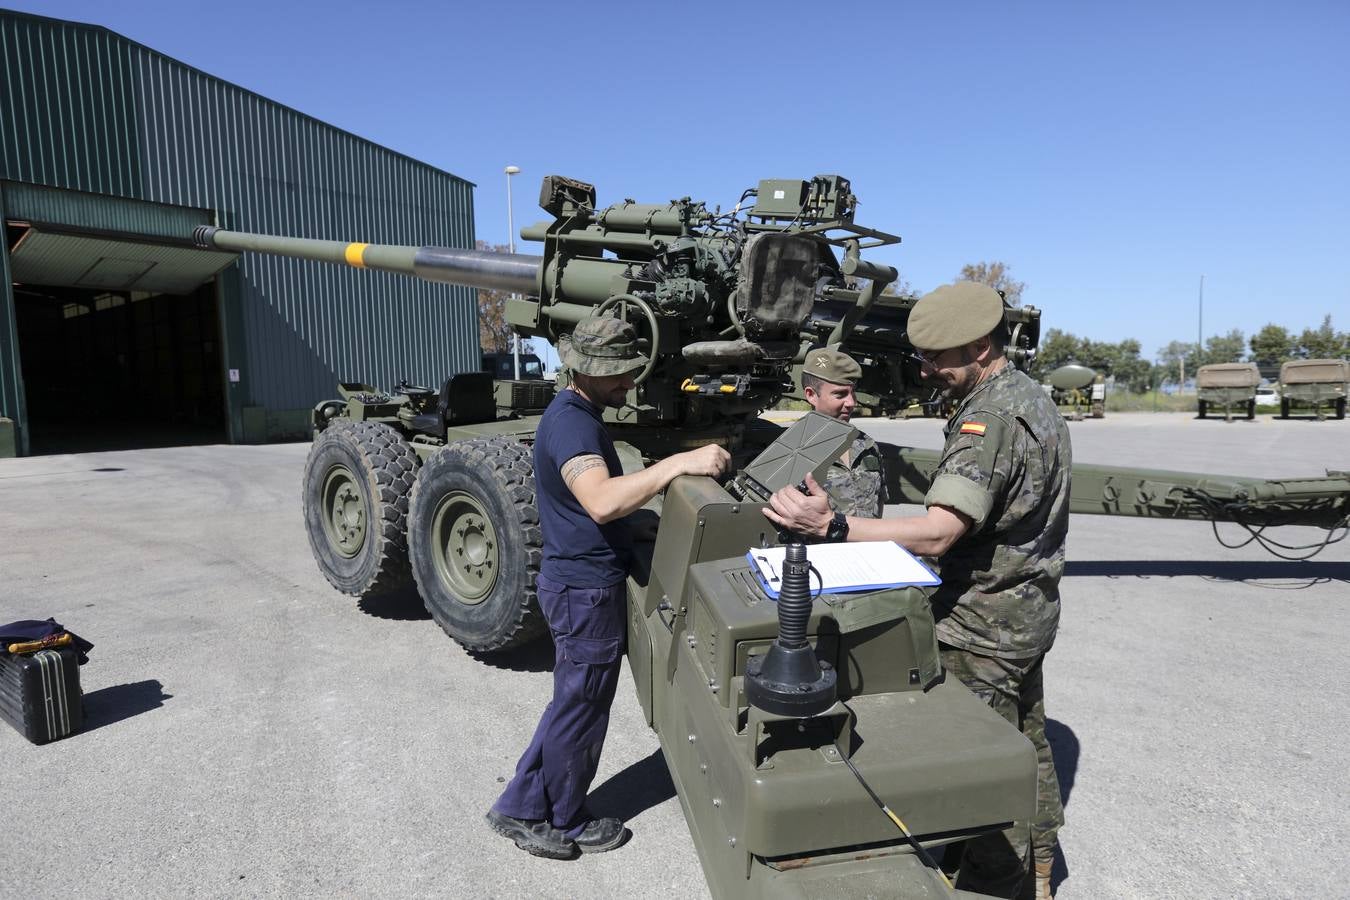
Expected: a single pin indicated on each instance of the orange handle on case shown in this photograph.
(51, 640)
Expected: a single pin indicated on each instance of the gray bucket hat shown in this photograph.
(602, 345)
(954, 315)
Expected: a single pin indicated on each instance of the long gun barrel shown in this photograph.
(512, 272)
(1253, 503)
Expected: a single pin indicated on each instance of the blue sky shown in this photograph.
(1111, 154)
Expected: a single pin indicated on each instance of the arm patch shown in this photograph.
(973, 469)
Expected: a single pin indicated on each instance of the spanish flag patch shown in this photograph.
(973, 428)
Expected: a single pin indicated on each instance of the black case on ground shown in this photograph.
(40, 693)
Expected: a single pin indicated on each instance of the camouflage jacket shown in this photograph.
(1006, 465)
(858, 488)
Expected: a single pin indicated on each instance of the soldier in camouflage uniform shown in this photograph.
(997, 516)
(854, 482)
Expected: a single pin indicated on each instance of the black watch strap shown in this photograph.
(838, 530)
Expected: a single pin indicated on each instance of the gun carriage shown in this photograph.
(432, 487)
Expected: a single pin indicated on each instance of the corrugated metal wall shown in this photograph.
(84, 109)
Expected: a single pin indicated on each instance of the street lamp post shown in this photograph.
(511, 245)
(1200, 330)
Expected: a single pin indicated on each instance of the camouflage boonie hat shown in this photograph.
(602, 345)
(954, 315)
(832, 366)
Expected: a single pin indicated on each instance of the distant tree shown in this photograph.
(1120, 360)
(1056, 348)
(495, 335)
(998, 276)
(1177, 351)
(1172, 356)
(1161, 374)
(900, 287)
(1323, 343)
(1272, 345)
(1225, 348)
(1131, 370)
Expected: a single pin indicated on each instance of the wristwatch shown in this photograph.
(838, 530)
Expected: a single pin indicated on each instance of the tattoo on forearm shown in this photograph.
(578, 464)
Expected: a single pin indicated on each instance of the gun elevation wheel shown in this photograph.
(623, 301)
(475, 543)
(356, 485)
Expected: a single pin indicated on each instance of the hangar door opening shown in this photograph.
(118, 341)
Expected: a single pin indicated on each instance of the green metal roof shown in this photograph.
(43, 257)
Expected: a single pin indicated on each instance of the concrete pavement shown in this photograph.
(252, 732)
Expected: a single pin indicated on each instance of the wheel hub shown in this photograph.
(465, 547)
(344, 512)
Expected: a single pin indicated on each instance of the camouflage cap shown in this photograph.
(954, 315)
(602, 345)
(832, 366)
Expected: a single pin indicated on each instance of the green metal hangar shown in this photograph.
(116, 333)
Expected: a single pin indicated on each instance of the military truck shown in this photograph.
(1318, 383)
(782, 784)
(503, 366)
(1230, 385)
(514, 397)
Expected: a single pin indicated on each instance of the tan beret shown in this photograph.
(832, 366)
(954, 315)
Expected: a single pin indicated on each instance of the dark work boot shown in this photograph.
(534, 836)
(600, 835)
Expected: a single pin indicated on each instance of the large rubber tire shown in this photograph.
(1251, 409)
(1340, 408)
(475, 543)
(357, 481)
(1203, 407)
(1284, 408)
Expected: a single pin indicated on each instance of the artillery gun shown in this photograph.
(724, 305)
(1069, 386)
(432, 486)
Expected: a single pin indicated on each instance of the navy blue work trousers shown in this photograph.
(556, 770)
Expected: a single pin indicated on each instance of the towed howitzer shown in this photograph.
(433, 487)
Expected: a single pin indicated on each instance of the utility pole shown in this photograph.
(1200, 328)
(511, 245)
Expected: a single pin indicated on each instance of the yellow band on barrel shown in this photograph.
(355, 254)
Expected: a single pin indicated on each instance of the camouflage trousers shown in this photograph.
(997, 864)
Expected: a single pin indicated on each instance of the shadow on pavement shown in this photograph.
(636, 789)
(536, 656)
(402, 606)
(1065, 748)
(1309, 572)
(108, 705)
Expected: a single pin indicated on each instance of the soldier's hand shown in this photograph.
(807, 513)
(710, 459)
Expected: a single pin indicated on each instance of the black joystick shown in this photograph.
(789, 680)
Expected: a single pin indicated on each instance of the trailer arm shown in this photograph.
(1252, 503)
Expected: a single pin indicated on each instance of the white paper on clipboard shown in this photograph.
(844, 568)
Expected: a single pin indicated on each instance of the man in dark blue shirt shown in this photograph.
(584, 499)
